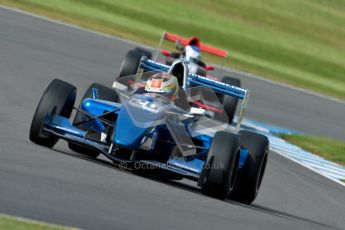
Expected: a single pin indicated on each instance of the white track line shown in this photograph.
(309, 167)
(250, 75)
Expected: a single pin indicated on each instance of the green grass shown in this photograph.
(11, 223)
(330, 149)
(300, 42)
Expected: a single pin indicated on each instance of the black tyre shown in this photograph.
(131, 62)
(104, 93)
(219, 173)
(229, 102)
(143, 52)
(59, 97)
(201, 72)
(250, 176)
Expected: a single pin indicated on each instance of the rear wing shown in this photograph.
(197, 80)
(203, 47)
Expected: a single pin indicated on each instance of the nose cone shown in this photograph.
(127, 134)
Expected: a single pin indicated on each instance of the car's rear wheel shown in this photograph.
(229, 102)
(104, 93)
(143, 52)
(58, 98)
(251, 175)
(131, 62)
(219, 173)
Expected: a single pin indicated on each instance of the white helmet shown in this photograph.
(192, 53)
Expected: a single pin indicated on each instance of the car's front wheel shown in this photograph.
(104, 93)
(58, 98)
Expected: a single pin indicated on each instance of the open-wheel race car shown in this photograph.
(187, 60)
(150, 124)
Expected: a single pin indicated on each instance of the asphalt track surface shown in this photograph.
(58, 186)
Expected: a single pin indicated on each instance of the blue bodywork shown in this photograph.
(127, 135)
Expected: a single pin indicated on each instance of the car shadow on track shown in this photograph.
(106, 163)
(255, 207)
(280, 214)
(196, 190)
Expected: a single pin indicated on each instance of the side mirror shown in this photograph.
(209, 67)
(165, 53)
(179, 45)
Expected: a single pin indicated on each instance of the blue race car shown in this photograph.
(149, 123)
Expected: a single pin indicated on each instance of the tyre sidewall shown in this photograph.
(254, 168)
(130, 64)
(221, 163)
(59, 97)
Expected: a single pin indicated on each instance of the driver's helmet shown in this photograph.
(163, 83)
(192, 53)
